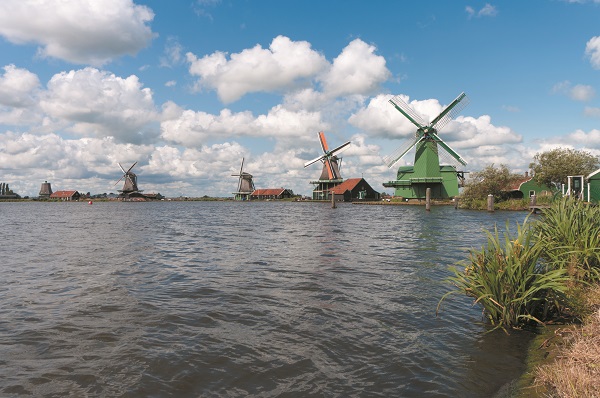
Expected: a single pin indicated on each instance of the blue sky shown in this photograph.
(189, 88)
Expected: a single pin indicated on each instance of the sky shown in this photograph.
(188, 88)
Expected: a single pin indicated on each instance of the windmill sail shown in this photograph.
(331, 169)
(427, 131)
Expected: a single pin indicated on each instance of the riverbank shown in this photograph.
(564, 360)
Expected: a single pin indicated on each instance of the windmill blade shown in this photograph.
(339, 148)
(450, 112)
(395, 156)
(449, 150)
(240, 183)
(242, 167)
(122, 169)
(315, 160)
(407, 111)
(329, 166)
(119, 180)
(323, 142)
(130, 167)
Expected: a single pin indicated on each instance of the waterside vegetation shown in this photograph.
(540, 273)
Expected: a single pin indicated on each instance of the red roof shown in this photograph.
(63, 194)
(347, 185)
(516, 186)
(268, 192)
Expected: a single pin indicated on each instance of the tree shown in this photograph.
(553, 167)
(491, 180)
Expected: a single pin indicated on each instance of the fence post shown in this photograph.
(490, 202)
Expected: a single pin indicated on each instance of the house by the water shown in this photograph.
(354, 189)
(272, 193)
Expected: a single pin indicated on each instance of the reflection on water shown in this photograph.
(233, 299)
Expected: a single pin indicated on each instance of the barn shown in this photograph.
(526, 187)
(272, 193)
(354, 189)
(65, 195)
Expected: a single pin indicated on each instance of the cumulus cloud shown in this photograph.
(90, 102)
(357, 70)
(590, 139)
(382, 119)
(592, 50)
(18, 87)
(78, 31)
(192, 128)
(578, 92)
(283, 65)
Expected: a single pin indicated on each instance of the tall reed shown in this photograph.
(510, 280)
(569, 237)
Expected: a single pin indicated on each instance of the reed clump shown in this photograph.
(509, 278)
(532, 276)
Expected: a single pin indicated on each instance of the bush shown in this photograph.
(509, 280)
(569, 236)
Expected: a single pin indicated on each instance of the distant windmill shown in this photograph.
(427, 172)
(130, 185)
(245, 184)
(330, 176)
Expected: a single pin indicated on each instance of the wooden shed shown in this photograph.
(526, 187)
(354, 189)
(272, 193)
(65, 195)
(592, 192)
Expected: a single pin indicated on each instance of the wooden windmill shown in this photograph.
(130, 187)
(330, 176)
(245, 184)
(427, 171)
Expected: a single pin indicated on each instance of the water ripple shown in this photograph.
(235, 299)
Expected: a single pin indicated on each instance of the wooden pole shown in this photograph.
(490, 202)
(428, 199)
(455, 203)
(333, 200)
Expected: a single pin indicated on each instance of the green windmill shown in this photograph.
(427, 172)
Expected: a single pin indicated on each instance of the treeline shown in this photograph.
(548, 169)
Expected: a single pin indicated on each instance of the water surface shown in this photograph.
(224, 299)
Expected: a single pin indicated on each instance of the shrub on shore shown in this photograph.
(509, 279)
(535, 275)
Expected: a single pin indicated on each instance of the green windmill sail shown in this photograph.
(427, 172)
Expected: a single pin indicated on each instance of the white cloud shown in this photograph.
(590, 139)
(578, 92)
(486, 11)
(592, 50)
(77, 31)
(90, 102)
(191, 128)
(172, 53)
(357, 70)
(18, 87)
(590, 111)
(283, 65)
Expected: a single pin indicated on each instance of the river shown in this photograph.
(230, 299)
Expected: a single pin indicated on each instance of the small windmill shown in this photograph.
(130, 185)
(427, 171)
(330, 176)
(245, 184)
